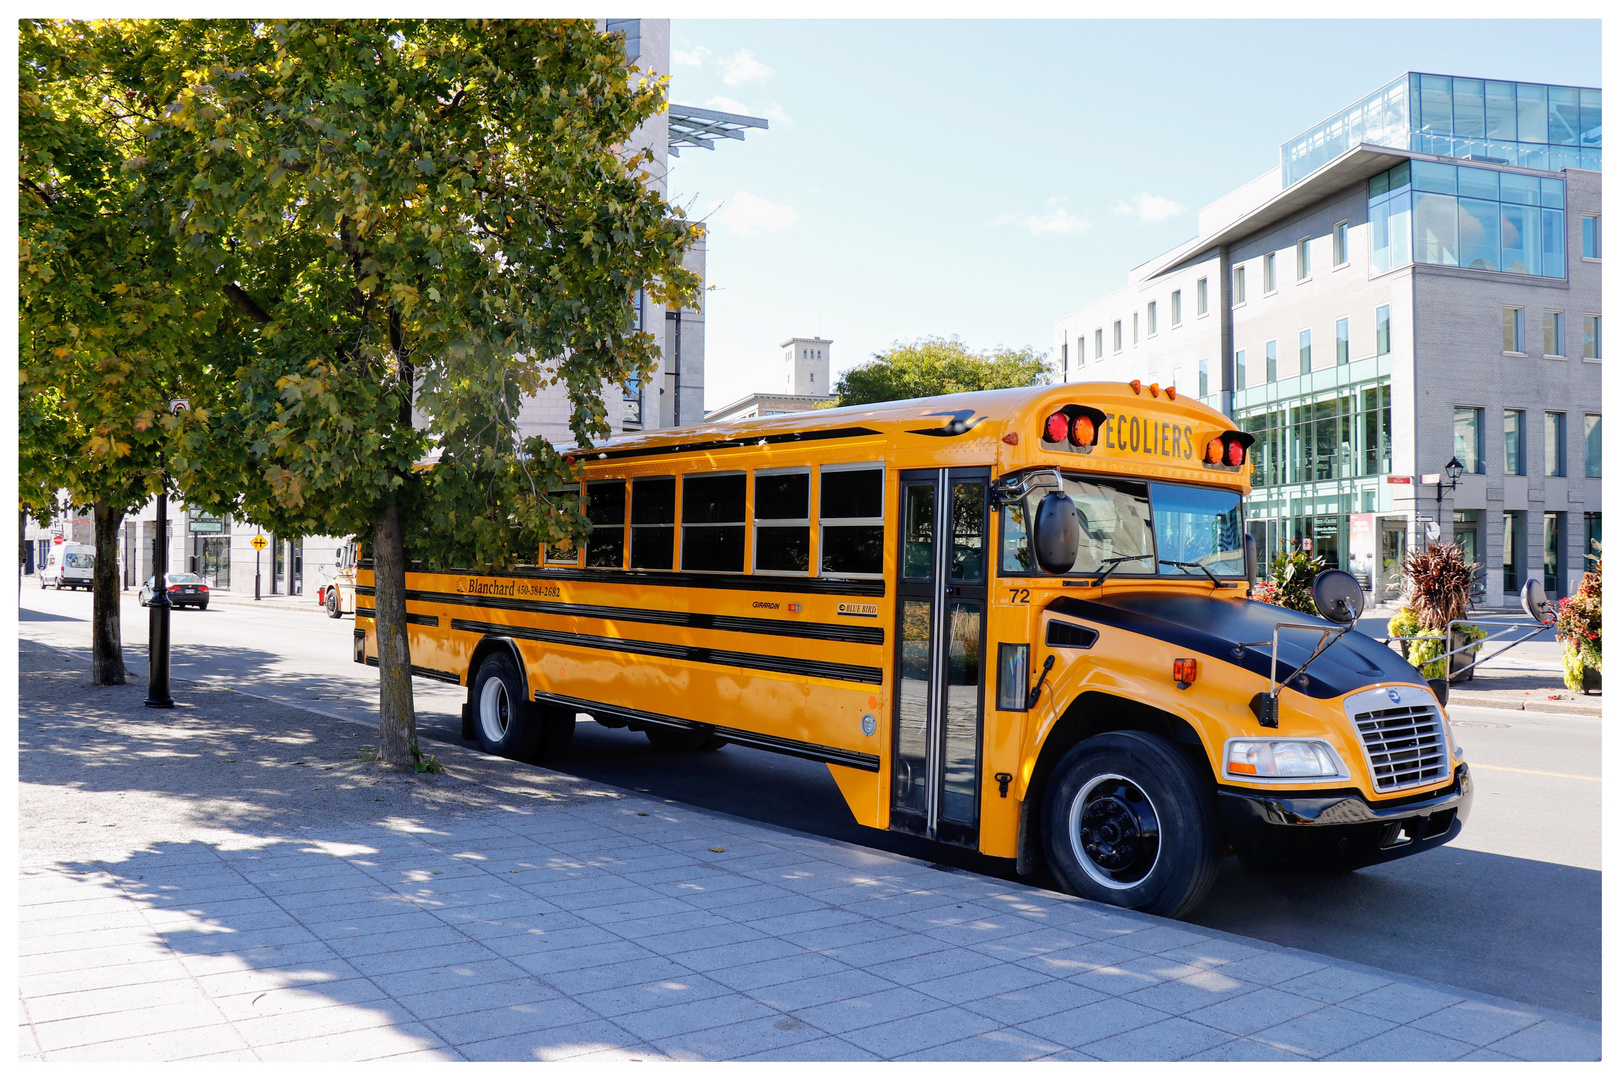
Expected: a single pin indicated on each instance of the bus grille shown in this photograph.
(1405, 745)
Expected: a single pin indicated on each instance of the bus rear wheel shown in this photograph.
(1127, 821)
(670, 741)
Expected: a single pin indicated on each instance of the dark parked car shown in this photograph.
(185, 590)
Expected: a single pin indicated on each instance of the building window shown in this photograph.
(1457, 215)
(1512, 550)
(1175, 308)
(1341, 243)
(1302, 259)
(1175, 375)
(1119, 335)
(1153, 317)
(1203, 378)
(1241, 374)
(1203, 296)
(1268, 273)
(1591, 237)
(1468, 427)
(782, 522)
(1592, 337)
(852, 521)
(1099, 349)
(1240, 293)
(1513, 330)
(1383, 330)
(1081, 342)
(1065, 356)
(1552, 561)
(1513, 442)
(1271, 361)
(1594, 535)
(1594, 444)
(1553, 444)
(1341, 341)
(1136, 326)
(1552, 333)
(1304, 352)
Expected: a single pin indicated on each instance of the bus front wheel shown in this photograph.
(1127, 821)
(502, 721)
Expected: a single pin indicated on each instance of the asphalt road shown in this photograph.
(1512, 908)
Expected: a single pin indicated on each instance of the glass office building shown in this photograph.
(1529, 125)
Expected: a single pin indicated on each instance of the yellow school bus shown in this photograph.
(1015, 621)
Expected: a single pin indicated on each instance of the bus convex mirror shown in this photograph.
(1533, 598)
(1057, 534)
(1251, 559)
(1338, 597)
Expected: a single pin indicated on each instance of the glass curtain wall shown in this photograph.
(1457, 215)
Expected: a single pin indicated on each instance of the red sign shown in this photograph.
(1306, 543)
(56, 539)
(1397, 479)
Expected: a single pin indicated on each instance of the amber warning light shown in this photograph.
(1228, 448)
(1077, 425)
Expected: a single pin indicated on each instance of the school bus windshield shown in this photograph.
(1135, 527)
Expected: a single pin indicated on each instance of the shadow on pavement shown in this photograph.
(30, 615)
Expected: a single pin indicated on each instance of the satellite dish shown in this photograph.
(1057, 534)
(1338, 597)
(1533, 598)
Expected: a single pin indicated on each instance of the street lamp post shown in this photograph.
(158, 608)
(1454, 470)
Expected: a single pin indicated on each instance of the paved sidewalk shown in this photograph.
(233, 880)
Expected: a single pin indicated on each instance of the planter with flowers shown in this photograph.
(1289, 582)
(1439, 580)
(1580, 629)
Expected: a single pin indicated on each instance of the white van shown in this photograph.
(71, 566)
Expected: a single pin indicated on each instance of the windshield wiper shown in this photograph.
(1112, 565)
(1195, 565)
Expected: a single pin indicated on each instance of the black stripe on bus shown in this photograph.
(832, 755)
(421, 620)
(857, 635)
(725, 444)
(669, 579)
(787, 665)
(425, 672)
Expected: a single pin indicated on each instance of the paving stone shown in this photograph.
(978, 983)
(820, 989)
(1213, 952)
(578, 957)
(128, 1023)
(1158, 939)
(1404, 1044)
(366, 1044)
(1065, 963)
(929, 966)
(480, 996)
(1244, 1050)
(1256, 1011)
(1402, 1002)
(1127, 976)
(866, 1010)
(296, 999)
(1271, 969)
(578, 981)
(449, 977)
(1088, 1023)
(158, 1046)
(735, 955)
(988, 1046)
(1167, 1040)
(264, 1031)
(515, 1018)
(1477, 1023)
(921, 1031)
(639, 997)
(1190, 992)
(888, 949)
(754, 1037)
(1032, 1002)
(1326, 1031)
(655, 1024)
(781, 969)
(826, 1048)
(1553, 1040)
(407, 958)
(99, 978)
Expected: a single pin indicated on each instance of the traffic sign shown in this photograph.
(259, 542)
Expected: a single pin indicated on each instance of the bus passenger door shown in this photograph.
(940, 611)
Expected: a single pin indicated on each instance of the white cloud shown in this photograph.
(750, 215)
(692, 57)
(1149, 208)
(1054, 217)
(741, 67)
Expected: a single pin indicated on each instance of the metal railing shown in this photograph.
(1525, 629)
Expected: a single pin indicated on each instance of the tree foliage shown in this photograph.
(415, 224)
(936, 365)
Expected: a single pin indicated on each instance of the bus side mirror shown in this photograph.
(1057, 534)
(1251, 559)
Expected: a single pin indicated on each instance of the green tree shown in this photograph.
(108, 330)
(935, 365)
(416, 223)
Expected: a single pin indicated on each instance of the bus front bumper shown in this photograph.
(1277, 830)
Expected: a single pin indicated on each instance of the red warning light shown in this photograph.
(1057, 427)
(1234, 453)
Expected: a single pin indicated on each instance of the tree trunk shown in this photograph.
(107, 644)
(396, 704)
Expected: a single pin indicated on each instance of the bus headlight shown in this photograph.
(1282, 759)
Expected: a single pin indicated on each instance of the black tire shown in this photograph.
(202, 607)
(671, 741)
(502, 720)
(1128, 821)
(334, 605)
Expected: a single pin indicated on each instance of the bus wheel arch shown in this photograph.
(533, 731)
(1144, 732)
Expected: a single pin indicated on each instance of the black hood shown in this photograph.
(1213, 627)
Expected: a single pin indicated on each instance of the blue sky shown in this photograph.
(984, 178)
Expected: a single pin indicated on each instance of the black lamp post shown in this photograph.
(157, 664)
(1454, 469)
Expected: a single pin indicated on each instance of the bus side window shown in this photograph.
(782, 522)
(604, 508)
(852, 521)
(564, 552)
(652, 523)
(714, 509)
